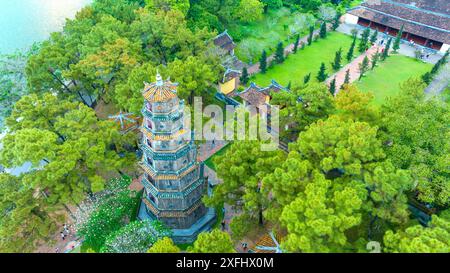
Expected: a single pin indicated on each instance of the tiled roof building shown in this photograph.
(426, 22)
(258, 96)
(224, 41)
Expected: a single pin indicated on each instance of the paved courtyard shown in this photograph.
(405, 47)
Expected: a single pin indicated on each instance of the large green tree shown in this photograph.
(416, 134)
(241, 168)
(65, 142)
(351, 103)
(181, 5)
(97, 51)
(215, 241)
(318, 218)
(302, 106)
(435, 238)
(25, 218)
(249, 10)
(164, 245)
(349, 153)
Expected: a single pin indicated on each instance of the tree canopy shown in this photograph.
(416, 131)
(66, 144)
(215, 241)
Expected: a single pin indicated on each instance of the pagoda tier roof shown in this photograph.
(157, 137)
(171, 213)
(172, 194)
(173, 115)
(168, 152)
(169, 155)
(166, 176)
(160, 90)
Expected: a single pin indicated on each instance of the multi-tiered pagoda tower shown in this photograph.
(173, 179)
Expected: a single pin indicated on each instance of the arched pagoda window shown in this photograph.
(152, 198)
(150, 179)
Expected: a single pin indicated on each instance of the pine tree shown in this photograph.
(333, 86)
(439, 63)
(351, 49)
(396, 45)
(310, 36)
(347, 77)
(263, 62)
(386, 50)
(337, 60)
(427, 78)
(354, 33)
(375, 58)
(244, 76)
(307, 78)
(363, 44)
(363, 66)
(374, 36)
(279, 54)
(297, 41)
(322, 74)
(336, 21)
(323, 30)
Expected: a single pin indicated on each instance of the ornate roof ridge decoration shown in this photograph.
(269, 243)
(160, 90)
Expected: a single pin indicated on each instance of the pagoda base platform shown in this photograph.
(184, 236)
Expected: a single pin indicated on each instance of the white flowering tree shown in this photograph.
(136, 237)
(106, 212)
(94, 201)
(300, 23)
(326, 13)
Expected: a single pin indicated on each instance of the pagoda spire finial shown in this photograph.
(159, 80)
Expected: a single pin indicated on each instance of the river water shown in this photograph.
(23, 22)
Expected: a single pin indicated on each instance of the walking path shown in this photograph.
(209, 148)
(405, 48)
(70, 242)
(353, 66)
(440, 81)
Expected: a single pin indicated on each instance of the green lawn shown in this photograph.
(296, 66)
(265, 34)
(384, 80)
(209, 162)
